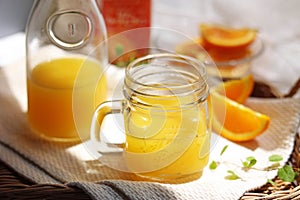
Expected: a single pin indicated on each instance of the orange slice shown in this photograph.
(235, 121)
(221, 37)
(237, 90)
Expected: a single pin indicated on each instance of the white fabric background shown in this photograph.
(276, 20)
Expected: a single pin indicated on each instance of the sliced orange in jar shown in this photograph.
(237, 89)
(221, 37)
(191, 48)
(235, 121)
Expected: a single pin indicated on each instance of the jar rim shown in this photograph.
(198, 65)
(189, 83)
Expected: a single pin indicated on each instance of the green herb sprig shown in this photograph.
(285, 173)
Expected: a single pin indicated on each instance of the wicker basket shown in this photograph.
(281, 190)
(15, 186)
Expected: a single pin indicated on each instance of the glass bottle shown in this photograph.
(66, 53)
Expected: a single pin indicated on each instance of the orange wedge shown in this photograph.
(221, 37)
(237, 90)
(235, 121)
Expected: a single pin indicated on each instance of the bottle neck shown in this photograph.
(66, 4)
(66, 27)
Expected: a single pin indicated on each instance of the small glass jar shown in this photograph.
(166, 118)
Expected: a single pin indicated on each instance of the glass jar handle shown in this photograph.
(104, 109)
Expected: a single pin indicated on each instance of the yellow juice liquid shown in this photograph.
(51, 87)
(169, 142)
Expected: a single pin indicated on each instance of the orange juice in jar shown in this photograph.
(172, 137)
(166, 119)
(51, 87)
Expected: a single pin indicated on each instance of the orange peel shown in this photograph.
(225, 38)
(237, 89)
(235, 121)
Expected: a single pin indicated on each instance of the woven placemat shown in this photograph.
(15, 186)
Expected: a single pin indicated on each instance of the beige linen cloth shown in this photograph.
(46, 162)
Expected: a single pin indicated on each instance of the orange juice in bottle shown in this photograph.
(50, 95)
(66, 54)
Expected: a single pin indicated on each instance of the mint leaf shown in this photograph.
(213, 165)
(231, 176)
(250, 162)
(250, 158)
(223, 150)
(287, 174)
(275, 158)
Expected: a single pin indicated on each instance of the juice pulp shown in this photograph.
(168, 142)
(51, 86)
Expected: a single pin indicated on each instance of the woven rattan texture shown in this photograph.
(14, 186)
